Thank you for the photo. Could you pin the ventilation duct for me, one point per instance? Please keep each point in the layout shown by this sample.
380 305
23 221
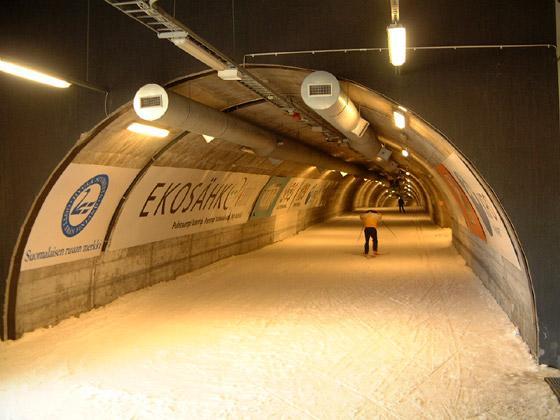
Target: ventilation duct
321 92
153 103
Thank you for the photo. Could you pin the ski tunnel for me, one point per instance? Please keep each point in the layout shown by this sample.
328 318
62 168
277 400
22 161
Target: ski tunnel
126 210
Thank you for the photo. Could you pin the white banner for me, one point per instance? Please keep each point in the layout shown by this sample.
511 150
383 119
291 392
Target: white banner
496 233
302 193
172 202
74 218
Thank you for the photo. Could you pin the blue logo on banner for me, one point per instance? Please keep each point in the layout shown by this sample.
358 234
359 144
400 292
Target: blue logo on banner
83 204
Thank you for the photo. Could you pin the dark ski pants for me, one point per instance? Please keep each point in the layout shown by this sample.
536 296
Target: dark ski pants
370 232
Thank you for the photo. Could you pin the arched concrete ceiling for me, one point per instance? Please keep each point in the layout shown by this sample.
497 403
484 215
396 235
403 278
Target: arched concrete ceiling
111 144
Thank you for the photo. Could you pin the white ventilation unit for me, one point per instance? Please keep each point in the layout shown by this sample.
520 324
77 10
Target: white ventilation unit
151 102
324 89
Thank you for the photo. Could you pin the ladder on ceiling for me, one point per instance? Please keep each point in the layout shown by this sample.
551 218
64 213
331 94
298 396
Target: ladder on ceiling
165 26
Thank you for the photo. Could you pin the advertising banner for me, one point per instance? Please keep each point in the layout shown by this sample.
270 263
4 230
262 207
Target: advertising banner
172 202
495 232
74 218
269 196
301 193
469 214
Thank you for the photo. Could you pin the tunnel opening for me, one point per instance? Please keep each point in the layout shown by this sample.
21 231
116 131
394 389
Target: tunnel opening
124 211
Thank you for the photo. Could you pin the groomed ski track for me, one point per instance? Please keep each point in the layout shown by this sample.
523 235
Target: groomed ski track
304 328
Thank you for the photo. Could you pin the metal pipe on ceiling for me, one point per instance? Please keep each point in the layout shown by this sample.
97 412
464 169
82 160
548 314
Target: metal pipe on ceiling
153 103
321 91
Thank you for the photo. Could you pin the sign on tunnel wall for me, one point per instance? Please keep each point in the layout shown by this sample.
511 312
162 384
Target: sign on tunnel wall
470 217
170 202
494 232
74 218
282 194
302 193
269 196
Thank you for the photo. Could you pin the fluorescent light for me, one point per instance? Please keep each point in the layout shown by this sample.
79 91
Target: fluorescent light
343 173
147 130
208 138
402 108
29 74
404 152
399 120
199 53
230 74
248 150
396 35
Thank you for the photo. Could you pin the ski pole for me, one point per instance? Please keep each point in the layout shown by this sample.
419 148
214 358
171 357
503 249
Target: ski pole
359 234
390 230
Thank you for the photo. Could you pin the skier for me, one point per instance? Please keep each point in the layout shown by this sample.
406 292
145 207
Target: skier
401 205
370 220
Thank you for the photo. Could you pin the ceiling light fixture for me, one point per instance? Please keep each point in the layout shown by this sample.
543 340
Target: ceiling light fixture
147 130
343 173
404 152
249 150
30 74
198 52
396 36
399 119
208 138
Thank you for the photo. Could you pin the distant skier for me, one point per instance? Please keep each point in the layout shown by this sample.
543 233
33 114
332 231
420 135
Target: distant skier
370 220
401 205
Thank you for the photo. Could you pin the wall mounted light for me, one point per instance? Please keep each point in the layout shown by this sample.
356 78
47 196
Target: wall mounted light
34 75
207 138
404 152
147 130
343 173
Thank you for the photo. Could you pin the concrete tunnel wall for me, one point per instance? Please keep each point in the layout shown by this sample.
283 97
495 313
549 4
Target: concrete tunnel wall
44 295
504 273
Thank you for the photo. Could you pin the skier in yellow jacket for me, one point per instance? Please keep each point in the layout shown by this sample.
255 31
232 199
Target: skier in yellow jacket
370 220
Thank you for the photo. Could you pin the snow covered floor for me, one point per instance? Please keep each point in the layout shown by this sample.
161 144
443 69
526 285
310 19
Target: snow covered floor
306 328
